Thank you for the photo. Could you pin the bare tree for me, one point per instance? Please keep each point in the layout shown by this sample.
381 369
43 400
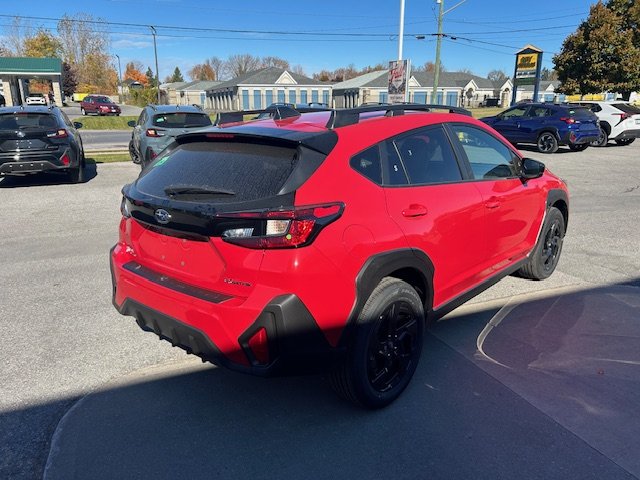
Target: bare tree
240 64
497 76
81 36
298 69
16 34
274 62
218 66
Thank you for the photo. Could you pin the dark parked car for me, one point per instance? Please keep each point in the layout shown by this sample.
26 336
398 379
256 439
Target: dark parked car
158 125
547 126
100 105
40 139
327 240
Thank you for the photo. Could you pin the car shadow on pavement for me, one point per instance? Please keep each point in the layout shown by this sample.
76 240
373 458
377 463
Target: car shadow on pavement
551 391
532 148
42 179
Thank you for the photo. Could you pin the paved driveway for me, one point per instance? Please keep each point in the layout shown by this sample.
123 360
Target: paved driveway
513 385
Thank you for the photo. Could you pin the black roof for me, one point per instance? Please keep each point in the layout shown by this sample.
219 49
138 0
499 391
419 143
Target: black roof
175 108
29 109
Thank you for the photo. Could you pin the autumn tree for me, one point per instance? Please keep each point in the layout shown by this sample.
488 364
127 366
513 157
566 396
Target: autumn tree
133 71
202 71
42 44
600 56
277 62
497 76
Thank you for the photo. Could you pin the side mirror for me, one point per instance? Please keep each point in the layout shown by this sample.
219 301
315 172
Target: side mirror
532 168
77 125
131 123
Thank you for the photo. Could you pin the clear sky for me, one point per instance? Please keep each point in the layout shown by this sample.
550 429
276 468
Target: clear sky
322 35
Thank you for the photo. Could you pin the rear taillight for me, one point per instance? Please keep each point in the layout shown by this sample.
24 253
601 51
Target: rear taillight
152 132
285 228
568 120
623 116
61 133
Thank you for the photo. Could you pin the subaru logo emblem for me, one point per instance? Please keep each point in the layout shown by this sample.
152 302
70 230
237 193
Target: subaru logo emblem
162 216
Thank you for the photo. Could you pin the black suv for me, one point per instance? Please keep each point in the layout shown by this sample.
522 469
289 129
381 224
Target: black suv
40 139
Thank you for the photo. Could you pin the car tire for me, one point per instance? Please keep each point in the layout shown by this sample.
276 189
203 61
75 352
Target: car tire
83 111
385 348
547 143
625 141
546 254
578 148
603 139
132 153
77 175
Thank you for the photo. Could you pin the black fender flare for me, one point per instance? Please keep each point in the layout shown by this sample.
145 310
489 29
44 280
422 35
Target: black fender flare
556 195
409 260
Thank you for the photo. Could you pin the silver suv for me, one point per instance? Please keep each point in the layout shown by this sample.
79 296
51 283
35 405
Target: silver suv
158 125
619 121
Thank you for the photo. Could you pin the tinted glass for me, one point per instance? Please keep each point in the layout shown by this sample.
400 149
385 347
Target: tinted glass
250 171
581 113
393 169
181 120
103 100
428 157
539 112
368 164
488 156
515 112
27 120
627 108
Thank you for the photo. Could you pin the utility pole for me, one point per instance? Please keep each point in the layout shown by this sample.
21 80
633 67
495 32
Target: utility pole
401 35
436 72
155 51
119 79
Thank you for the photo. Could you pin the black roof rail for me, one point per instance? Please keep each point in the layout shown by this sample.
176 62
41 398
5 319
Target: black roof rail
351 116
276 112
196 106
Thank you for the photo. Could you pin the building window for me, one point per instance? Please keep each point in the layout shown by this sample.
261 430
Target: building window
303 96
420 97
314 96
452 99
384 97
245 99
268 97
325 97
281 97
257 99
292 96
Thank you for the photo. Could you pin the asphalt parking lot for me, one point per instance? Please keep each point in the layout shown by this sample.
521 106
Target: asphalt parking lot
529 380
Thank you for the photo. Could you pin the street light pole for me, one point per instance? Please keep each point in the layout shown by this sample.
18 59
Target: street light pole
119 79
155 51
401 35
436 71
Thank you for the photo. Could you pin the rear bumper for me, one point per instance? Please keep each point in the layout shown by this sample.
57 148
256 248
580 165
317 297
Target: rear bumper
198 324
635 133
576 137
26 163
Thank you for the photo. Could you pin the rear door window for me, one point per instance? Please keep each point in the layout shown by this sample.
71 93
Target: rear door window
181 120
239 171
627 108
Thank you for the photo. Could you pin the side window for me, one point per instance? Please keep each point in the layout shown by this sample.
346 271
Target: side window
428 157
367 163
488 156
514 112
66 120
539 112
142 117
393 169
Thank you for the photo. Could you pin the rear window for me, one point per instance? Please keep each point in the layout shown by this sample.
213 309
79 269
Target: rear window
102 99
581 113
13 121
627 108
248 171
181 120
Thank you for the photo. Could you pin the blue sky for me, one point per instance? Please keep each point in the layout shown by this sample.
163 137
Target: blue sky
488 32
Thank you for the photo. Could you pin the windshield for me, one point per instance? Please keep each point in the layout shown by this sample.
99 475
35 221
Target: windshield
181 120
14 121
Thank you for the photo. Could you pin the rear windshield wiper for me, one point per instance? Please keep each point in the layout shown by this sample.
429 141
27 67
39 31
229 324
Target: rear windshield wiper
174 190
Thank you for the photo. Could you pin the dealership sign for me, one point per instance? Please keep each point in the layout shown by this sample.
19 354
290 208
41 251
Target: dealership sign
527 71
398 81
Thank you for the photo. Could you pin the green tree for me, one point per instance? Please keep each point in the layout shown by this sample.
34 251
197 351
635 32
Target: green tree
177 76
151 79
69 79
42 44
600 56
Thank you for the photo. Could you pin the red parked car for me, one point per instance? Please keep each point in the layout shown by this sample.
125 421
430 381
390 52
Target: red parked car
328 240
100 105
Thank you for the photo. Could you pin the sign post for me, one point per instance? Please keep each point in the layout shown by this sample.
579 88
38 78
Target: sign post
527 71
399 81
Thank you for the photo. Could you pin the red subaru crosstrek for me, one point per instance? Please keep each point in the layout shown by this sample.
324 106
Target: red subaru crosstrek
328 240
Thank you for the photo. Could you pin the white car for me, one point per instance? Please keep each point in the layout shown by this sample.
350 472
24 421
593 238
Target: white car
619 121
36 99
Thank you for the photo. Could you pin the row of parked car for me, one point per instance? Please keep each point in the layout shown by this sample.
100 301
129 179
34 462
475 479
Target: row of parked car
577 125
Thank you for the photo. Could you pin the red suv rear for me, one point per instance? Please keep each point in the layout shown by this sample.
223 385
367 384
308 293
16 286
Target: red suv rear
100 105
327 240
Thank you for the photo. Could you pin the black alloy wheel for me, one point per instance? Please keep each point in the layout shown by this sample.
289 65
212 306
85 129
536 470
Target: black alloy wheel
603 138
546 254
547 143
385 348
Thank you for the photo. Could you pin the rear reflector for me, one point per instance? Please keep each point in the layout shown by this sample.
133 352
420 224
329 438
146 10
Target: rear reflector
259 346
65 159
